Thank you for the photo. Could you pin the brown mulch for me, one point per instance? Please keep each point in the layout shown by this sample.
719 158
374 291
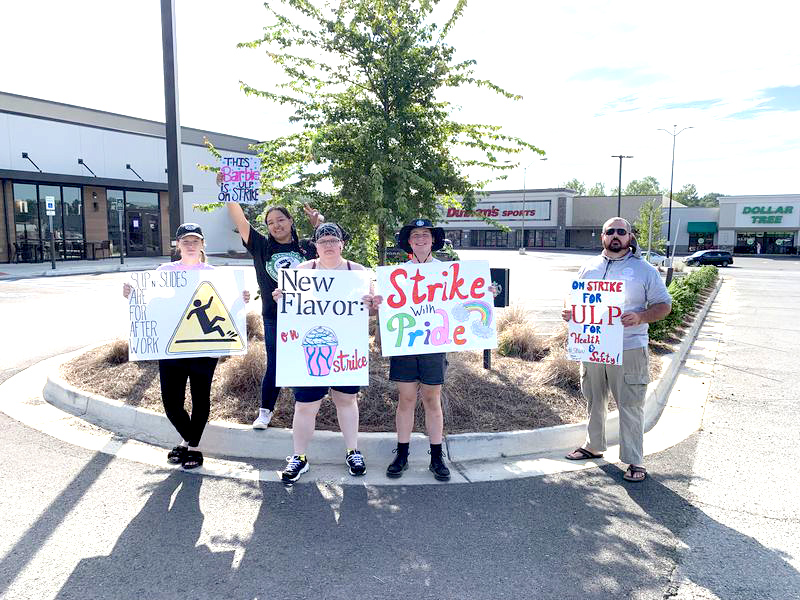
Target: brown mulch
515 394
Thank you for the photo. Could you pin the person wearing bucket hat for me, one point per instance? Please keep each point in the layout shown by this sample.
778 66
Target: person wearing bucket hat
280 249
329 238
198 370
404 238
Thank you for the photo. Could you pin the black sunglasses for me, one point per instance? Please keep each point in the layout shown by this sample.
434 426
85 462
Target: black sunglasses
619 231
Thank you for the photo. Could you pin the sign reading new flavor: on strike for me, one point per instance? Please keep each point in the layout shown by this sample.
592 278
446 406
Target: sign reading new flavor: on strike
595 329
436 307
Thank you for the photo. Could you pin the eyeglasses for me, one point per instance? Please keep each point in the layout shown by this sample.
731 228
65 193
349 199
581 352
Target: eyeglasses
327 242
421 236
620 231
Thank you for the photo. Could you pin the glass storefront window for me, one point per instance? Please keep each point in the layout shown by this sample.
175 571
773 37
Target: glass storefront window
489 239
141 200
26 212
765 242
112 198
700 241
454 235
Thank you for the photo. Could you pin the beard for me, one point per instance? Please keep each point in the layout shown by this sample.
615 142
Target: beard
616 245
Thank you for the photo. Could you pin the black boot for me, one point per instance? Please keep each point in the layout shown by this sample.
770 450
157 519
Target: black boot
400 462
438 468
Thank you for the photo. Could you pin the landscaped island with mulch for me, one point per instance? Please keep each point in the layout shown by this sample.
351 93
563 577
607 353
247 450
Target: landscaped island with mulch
531 383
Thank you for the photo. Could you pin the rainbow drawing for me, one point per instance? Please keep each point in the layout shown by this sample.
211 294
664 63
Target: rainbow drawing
481 327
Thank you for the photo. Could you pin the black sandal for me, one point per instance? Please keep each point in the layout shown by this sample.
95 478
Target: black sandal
631 474
582 454
193 459
177 455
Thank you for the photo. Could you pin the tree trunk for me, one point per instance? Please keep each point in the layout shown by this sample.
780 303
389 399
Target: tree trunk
381 244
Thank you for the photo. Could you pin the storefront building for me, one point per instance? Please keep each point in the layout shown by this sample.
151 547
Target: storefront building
105 175
760 224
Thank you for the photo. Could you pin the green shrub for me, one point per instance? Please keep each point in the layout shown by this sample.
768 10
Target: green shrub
685 292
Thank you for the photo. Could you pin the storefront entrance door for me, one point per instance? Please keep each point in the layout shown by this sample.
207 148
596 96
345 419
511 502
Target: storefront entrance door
144 238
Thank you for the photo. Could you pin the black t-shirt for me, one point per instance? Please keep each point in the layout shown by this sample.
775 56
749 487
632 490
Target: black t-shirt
268 257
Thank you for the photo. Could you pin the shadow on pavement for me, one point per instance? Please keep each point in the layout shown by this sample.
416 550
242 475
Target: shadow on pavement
582 535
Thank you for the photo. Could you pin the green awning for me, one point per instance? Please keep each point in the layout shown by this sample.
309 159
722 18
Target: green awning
702 227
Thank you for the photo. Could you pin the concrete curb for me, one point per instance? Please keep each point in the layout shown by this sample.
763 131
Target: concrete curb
327 447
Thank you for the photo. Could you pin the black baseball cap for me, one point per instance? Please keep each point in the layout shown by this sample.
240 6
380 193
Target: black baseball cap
189 229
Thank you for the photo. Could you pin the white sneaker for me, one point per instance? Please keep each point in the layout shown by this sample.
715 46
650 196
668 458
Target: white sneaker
264 417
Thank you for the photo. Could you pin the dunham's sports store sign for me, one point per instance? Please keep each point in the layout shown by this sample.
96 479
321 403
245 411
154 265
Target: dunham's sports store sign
758 215
533 211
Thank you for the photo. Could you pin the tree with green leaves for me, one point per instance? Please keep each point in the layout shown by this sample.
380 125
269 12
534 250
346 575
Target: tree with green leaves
575 185
598 189
376 145
651 218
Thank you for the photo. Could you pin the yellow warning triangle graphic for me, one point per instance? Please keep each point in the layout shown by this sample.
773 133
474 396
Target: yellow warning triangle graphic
205 326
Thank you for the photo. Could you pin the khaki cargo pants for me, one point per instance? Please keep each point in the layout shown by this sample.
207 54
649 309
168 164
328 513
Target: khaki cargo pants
628 383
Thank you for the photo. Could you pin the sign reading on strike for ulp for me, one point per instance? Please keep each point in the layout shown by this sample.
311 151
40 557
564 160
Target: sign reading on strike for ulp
323 329
241 179
436 307
595 329
179 314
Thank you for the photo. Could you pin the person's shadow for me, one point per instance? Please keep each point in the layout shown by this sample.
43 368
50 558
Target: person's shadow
156 556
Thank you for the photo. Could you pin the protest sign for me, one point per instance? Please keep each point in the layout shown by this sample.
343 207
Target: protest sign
241 179
436 307
595 330
180 314
323 334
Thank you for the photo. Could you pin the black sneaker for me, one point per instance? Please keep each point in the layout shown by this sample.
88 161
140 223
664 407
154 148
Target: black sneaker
355 461
399 464
295 466
438 468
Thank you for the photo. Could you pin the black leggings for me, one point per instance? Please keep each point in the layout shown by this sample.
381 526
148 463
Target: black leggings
174 372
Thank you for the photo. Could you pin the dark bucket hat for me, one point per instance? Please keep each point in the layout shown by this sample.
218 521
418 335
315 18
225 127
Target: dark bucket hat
405 232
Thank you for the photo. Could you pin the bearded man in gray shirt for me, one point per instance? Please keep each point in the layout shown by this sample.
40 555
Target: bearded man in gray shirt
646 301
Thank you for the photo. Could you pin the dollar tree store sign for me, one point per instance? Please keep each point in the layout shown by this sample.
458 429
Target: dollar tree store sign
768 215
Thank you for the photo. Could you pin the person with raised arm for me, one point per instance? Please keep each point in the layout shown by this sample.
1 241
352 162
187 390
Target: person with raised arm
281 249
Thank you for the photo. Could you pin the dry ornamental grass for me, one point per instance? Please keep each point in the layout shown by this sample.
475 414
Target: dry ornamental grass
533 386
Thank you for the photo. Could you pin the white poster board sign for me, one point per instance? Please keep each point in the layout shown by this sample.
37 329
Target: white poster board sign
180 314
436 307
241 179
595 330
323 329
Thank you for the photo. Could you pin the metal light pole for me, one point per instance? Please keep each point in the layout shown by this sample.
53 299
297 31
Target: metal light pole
669 211
619 187
522 248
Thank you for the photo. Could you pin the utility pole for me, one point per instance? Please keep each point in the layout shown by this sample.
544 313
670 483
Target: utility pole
669 212
619 187
173 132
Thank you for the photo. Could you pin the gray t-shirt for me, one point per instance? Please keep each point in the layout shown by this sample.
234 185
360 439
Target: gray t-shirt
643 288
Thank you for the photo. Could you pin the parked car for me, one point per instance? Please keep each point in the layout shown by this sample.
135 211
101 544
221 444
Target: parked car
710 257
659 260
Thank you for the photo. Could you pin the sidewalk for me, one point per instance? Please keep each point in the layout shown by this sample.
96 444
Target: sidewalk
39 399
12 271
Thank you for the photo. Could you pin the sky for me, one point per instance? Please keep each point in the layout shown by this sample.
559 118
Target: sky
598 78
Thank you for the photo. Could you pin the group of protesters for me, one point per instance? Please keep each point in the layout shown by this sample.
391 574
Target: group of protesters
416 376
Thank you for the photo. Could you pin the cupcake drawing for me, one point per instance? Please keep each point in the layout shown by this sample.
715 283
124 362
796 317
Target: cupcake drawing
319 346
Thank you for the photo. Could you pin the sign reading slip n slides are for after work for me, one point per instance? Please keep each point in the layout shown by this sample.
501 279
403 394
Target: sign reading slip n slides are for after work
436 307
181 314
323 329
595 329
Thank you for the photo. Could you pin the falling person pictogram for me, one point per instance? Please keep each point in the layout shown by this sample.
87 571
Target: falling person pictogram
206 326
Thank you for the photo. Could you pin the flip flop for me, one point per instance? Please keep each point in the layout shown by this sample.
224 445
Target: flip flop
632 470
193 459
584 454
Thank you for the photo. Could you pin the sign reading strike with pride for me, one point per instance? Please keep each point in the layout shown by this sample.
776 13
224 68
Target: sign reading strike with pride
595 330
436 307
323 335
241 179
178 314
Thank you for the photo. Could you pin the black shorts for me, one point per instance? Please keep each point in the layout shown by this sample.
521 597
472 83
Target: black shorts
425 368
312 394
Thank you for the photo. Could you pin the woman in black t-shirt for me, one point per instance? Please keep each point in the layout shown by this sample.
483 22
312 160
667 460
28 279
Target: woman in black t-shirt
281 249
